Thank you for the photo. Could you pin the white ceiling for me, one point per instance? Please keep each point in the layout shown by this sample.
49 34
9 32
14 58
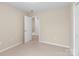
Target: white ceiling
38 6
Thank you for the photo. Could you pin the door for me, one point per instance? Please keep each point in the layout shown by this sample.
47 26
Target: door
27 29
77 29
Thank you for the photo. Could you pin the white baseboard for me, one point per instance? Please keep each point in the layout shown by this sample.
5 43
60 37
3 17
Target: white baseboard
11 47
55 44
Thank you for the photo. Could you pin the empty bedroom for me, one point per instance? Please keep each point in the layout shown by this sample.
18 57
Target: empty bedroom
36 28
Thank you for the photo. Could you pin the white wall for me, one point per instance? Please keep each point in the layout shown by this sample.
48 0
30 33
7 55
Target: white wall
11 26
55 26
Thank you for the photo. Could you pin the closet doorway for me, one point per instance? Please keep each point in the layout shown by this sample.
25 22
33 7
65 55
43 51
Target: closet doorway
35 28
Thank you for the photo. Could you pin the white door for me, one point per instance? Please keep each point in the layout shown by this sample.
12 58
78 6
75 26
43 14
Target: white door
27 29
77 30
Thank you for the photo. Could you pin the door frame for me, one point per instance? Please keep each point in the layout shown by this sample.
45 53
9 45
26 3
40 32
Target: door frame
75 37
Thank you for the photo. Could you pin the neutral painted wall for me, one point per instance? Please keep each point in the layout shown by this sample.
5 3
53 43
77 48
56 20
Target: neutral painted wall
55 26
11 26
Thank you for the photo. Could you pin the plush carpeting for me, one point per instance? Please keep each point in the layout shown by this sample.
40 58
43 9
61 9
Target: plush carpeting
35 48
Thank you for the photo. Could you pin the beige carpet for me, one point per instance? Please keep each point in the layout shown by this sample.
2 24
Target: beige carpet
35 48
